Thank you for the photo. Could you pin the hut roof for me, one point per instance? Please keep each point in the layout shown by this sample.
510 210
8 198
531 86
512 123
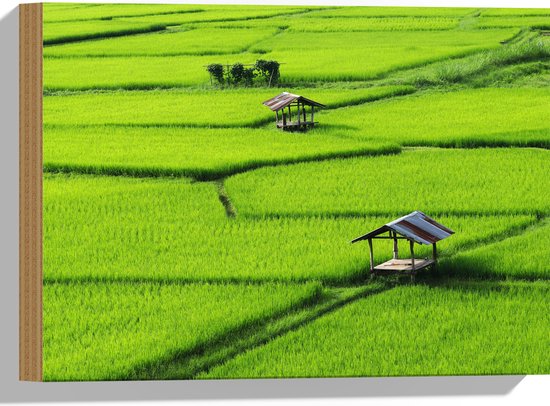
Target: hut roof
284 99
415 226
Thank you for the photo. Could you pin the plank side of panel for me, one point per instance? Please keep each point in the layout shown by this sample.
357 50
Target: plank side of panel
30 192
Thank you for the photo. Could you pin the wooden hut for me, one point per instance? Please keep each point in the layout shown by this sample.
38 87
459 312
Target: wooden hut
415 227
290 111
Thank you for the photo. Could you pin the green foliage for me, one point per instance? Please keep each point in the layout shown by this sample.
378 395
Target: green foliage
127 325
451 329
436 181
523 256
467 118
464 71
122 229
197 108
269 70
202 41
201 153
59 33
355 13
156 276
236 73
515 21
216 71
167 14
366 55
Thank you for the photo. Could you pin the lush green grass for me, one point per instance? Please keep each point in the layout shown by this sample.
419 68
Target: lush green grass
127 72
196 152
115 228
516 12
337 56
104 331
523 256
310 23
79 12
323 25
56 33
476 70
526 47
452 329
490 181
359 12
473 117
220 13
207 41
515 21
161 275
201 107
365 55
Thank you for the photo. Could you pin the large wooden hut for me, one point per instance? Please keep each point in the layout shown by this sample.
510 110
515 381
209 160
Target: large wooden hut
290 111
415 227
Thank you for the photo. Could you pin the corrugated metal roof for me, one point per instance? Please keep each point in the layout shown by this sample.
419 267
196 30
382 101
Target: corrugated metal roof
415 226
284 99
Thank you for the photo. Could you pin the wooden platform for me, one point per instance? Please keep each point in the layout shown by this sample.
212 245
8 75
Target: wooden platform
403 265
295 125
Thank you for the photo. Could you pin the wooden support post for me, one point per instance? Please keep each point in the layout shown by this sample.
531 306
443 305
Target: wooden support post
395 246
284 119
304 112
299 114
412 254
371 256
289 114
277 117
434 255
312 109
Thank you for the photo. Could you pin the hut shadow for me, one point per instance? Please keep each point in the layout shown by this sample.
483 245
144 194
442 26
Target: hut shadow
458 268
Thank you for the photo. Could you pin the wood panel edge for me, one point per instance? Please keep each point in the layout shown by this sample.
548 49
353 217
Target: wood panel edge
30 192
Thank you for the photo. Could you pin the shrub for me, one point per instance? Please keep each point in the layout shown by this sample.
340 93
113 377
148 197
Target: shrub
269 70
238 74
216 71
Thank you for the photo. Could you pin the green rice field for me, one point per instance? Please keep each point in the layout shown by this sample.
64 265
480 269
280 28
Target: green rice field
186 237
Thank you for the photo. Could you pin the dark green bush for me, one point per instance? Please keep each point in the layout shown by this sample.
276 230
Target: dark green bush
216 71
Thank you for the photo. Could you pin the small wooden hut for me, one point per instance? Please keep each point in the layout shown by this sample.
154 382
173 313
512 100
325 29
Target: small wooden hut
290 111
415 227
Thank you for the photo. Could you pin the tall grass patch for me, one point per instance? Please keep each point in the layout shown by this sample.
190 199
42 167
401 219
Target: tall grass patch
366 55
367 12
206 41
522 256
198 107
436 181
456 329
105 331
201 153
120 229
58 33
473 117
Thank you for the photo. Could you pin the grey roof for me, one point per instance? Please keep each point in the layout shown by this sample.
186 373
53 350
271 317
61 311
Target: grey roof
415 226
284 99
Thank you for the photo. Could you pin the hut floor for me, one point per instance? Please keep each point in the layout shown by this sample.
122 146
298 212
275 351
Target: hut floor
400 265
295 124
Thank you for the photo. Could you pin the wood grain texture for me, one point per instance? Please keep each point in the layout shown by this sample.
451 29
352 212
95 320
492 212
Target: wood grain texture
30 192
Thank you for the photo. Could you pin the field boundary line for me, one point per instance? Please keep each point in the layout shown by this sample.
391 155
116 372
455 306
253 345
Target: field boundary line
158 27
228 346
362 215
201 175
